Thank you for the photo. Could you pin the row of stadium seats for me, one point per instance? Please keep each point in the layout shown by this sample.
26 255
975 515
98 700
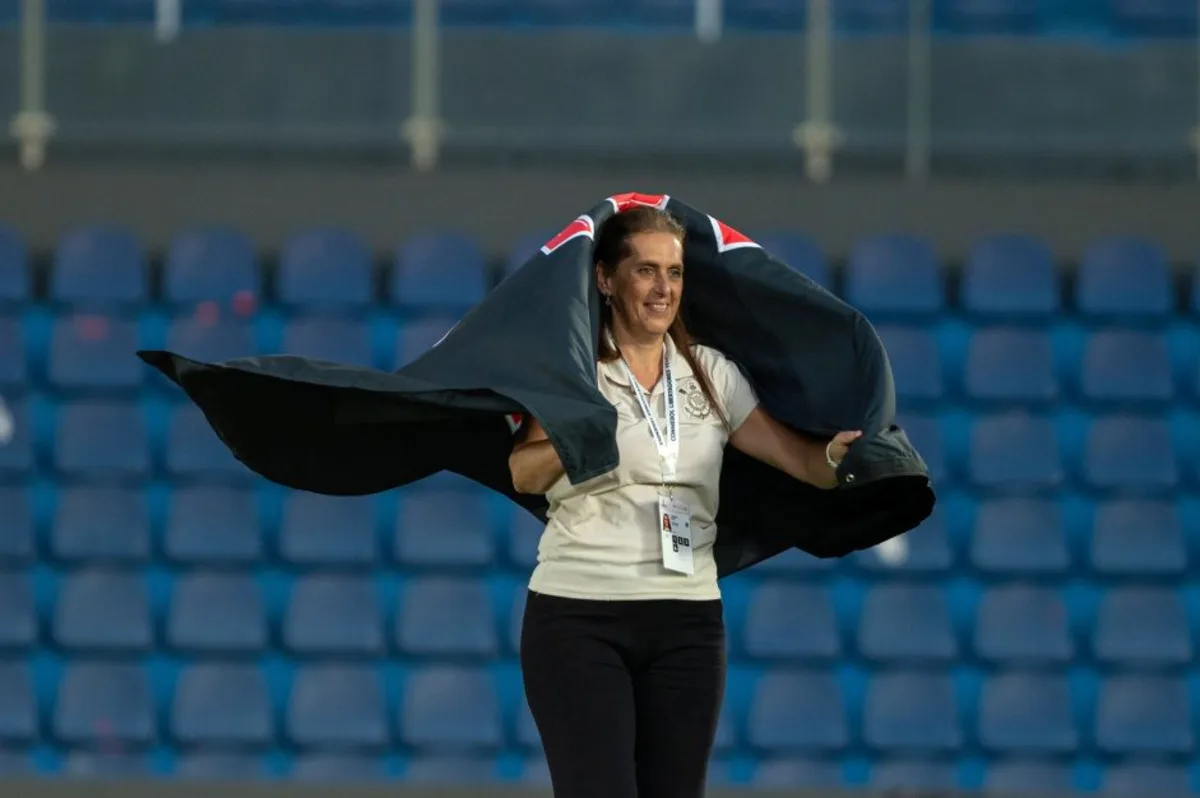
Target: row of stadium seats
109 610
1122 17
327 270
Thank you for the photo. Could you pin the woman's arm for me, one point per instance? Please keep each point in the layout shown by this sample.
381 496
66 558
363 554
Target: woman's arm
533 463
765 439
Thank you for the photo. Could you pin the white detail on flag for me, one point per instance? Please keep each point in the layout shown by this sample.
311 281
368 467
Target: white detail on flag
719 237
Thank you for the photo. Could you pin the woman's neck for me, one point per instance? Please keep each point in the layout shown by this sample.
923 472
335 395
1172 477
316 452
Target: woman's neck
643 353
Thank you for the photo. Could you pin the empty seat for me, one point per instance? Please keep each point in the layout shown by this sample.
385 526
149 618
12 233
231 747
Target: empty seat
1143 715
1027 713
1175 18
797 711
792 773
925 433
219 765
442 617
419 336
900 774
337 767
16 533
14 364
332 338
101 439
15 282
911 710
524 536
222 704
1019 536
906 622
99 266
1022 624
212 524
1136 537
924 550
101 523
195 452
1125 277
18 615
211 337
1142 627
92 352
445 707
328 531
1010 365
916 362
450 769
790 621
328 269
1130 453
991 16
1028 777
439 271
1015 451
800 252
102 703
444 527
216 613
337 705
216 265
894 275
1126 366
103 610
333 614
1139 779
18 704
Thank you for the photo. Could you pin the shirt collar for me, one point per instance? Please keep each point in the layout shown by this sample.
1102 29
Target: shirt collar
614 370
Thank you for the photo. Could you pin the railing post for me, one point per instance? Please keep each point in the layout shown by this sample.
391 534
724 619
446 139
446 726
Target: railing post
920 78
32 127
423 129
817 135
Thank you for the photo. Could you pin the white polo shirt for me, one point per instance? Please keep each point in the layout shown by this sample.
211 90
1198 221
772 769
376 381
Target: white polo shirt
601 540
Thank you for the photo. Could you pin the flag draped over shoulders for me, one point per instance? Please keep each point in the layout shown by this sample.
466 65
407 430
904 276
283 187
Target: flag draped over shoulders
530 348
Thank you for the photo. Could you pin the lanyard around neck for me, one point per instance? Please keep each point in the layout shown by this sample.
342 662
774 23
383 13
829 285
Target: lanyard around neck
668 445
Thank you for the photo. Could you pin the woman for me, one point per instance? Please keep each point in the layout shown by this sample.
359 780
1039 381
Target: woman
623 641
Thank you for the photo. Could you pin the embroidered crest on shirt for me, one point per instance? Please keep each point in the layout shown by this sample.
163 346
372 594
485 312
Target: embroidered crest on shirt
695 403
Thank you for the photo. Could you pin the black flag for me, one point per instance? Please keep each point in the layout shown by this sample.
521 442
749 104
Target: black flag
530 348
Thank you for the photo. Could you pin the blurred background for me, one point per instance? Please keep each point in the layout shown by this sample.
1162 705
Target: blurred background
1006 187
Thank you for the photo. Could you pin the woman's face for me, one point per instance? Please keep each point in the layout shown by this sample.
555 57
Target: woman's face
646 286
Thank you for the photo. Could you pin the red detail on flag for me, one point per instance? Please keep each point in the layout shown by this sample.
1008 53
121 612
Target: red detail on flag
583 226
515 420
623 202
730 236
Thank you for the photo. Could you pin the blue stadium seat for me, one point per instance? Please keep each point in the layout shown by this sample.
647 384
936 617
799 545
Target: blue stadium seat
1125 452
990 16
1028 777
337 767
906 622
439 272
326 269
800 252
1027 713
334 614
211 338
14 363
333 338
15 765
337 705
1014 451
101 439
437 527
916 363
925 433
456 770
417 337
1138 538
446 617
1174 18
103 611
219 765
1142 627
16 434
102 703
94 352
195 452
793 711
528 735
1021 624
526 247
925 550
911 710
222 704
16 284
524 535
1143 715
214 525
894 275
1019 536
451 708
18 614
1010 365
216 612
1010 277
328 531
792 773
17 531
1136 779
1125 366
790 621
18 704
101 523
99 267
1124 277
81 764
210 265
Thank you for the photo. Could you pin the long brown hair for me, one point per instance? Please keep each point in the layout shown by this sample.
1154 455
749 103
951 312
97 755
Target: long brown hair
612 247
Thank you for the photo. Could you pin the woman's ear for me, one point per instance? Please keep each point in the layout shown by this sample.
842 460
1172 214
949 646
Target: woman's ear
602 281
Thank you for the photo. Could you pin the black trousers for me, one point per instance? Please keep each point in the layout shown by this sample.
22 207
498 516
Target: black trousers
625 694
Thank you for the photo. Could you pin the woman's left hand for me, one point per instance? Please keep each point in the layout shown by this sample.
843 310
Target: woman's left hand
840 445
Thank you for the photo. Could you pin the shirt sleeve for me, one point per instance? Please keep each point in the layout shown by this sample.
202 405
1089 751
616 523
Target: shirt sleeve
737 395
